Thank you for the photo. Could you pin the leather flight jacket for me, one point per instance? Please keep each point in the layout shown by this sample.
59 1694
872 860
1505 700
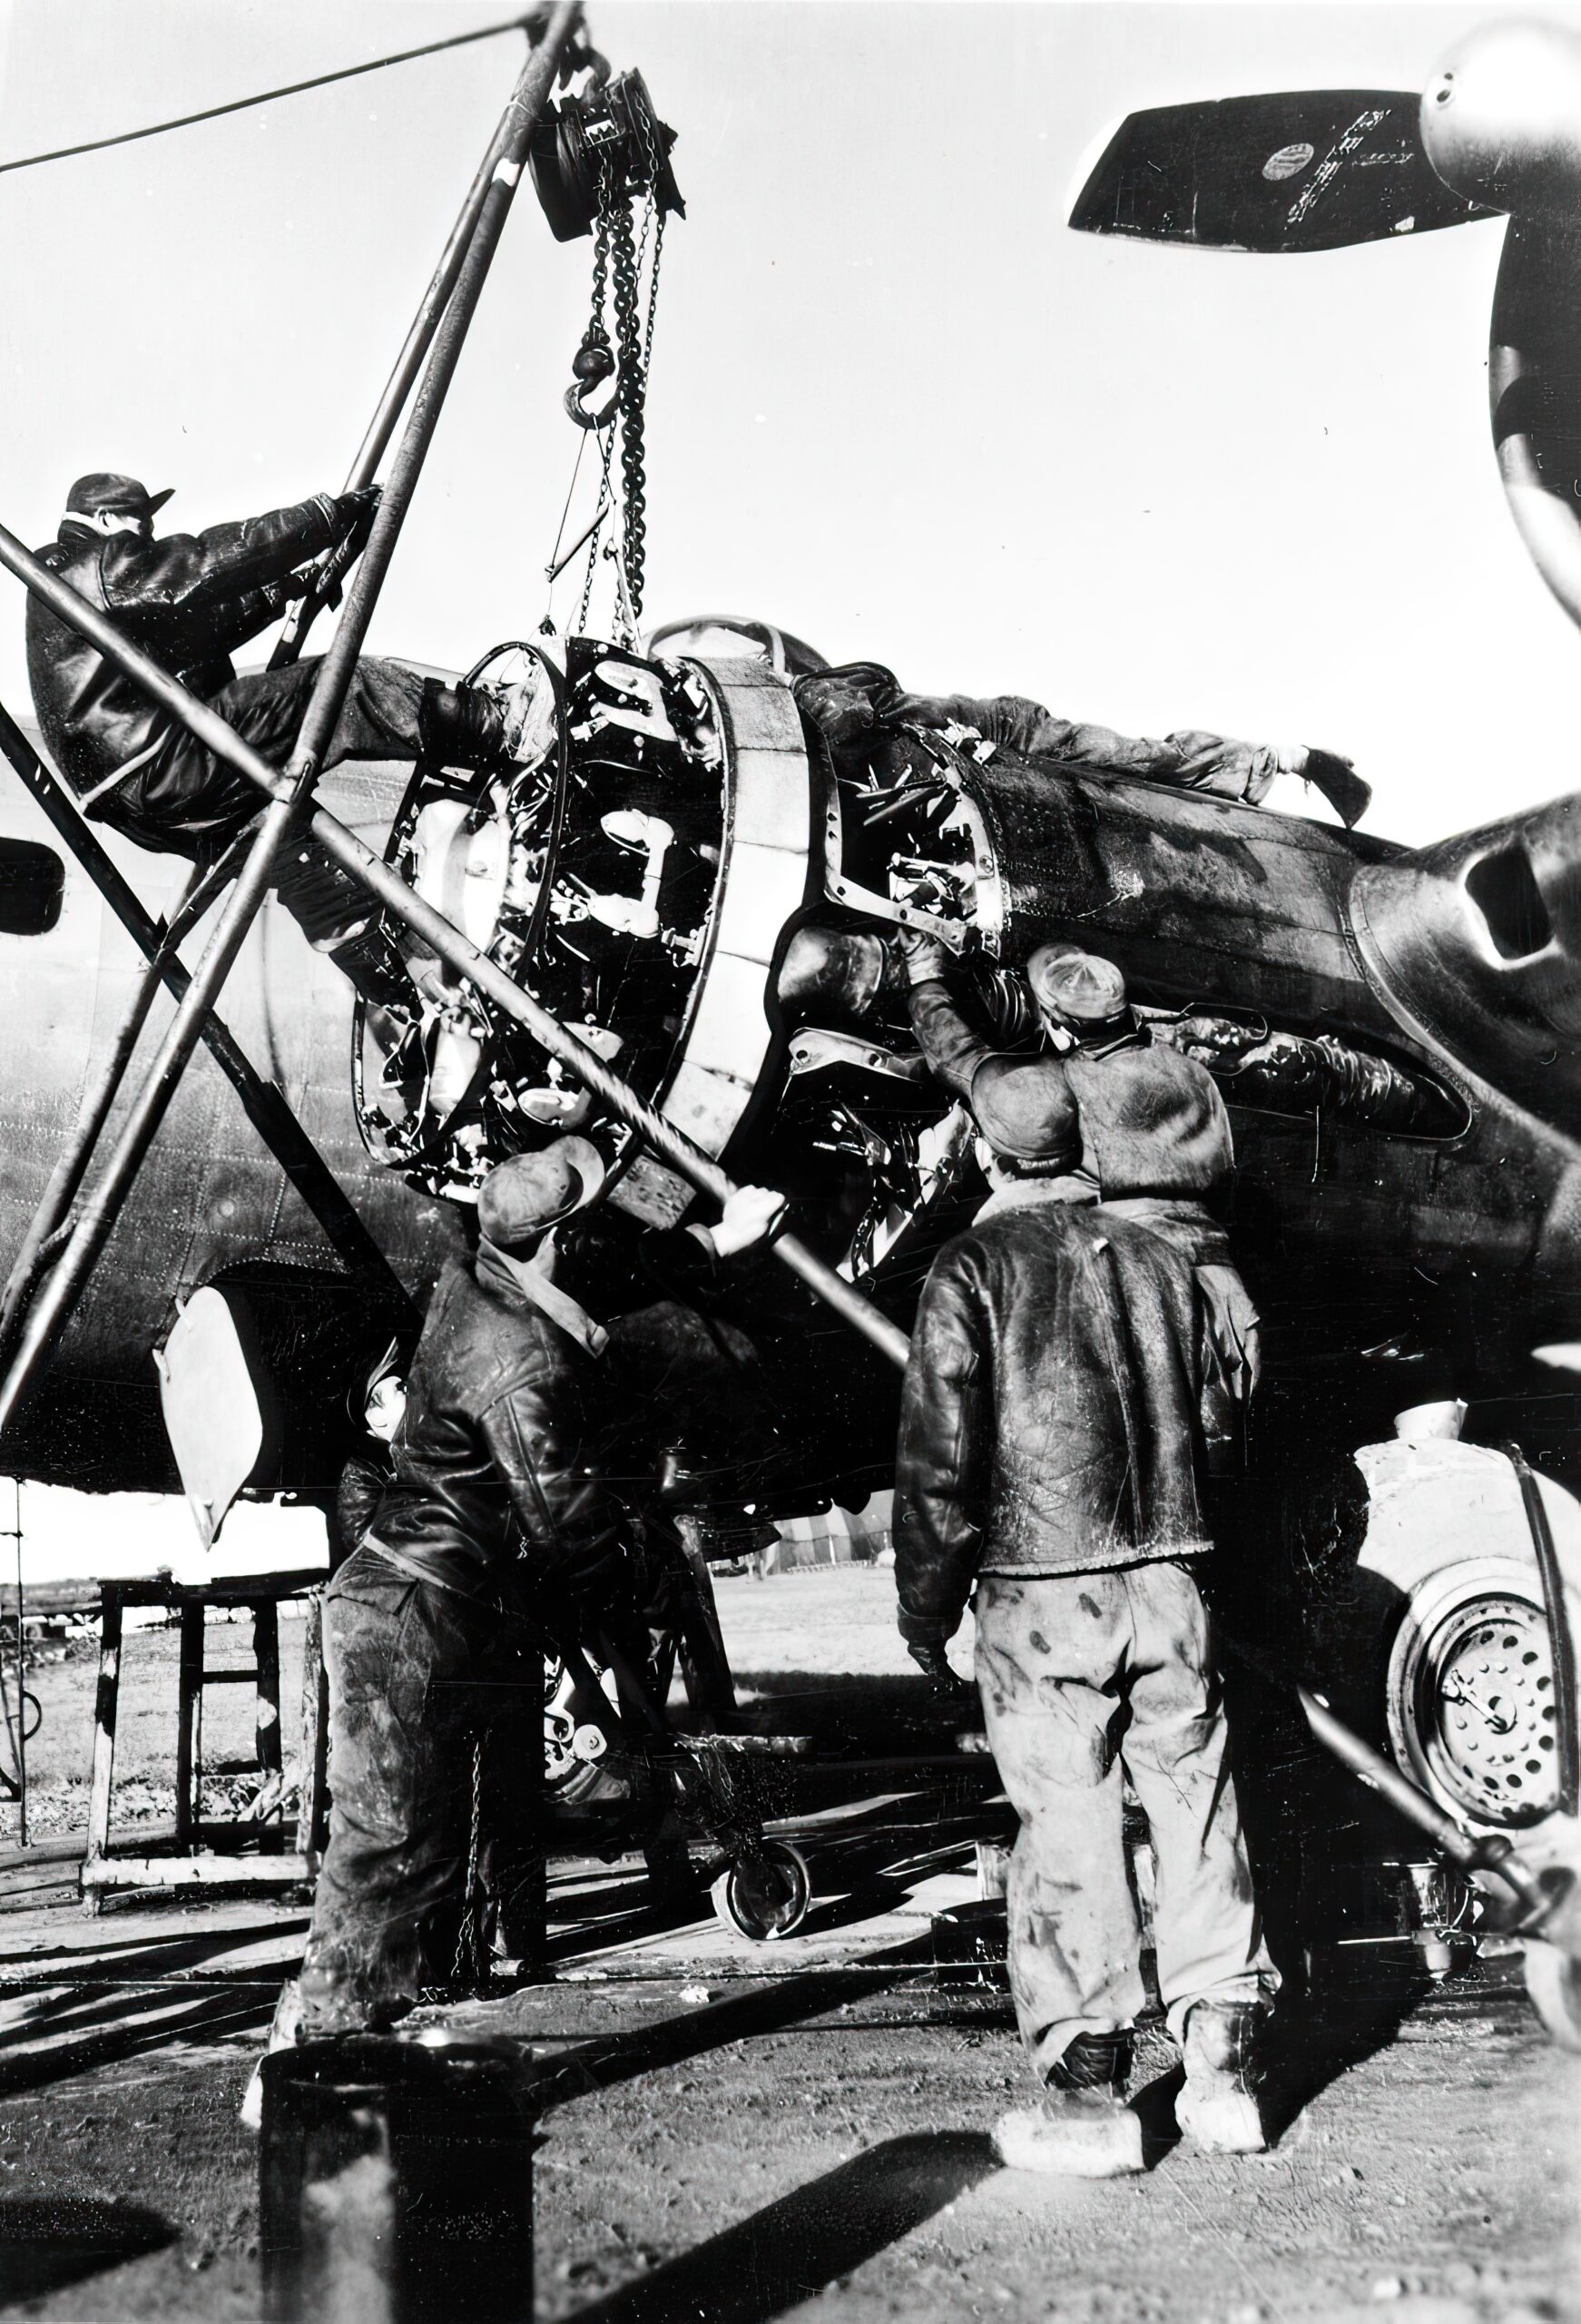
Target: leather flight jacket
499 1464
190 601
1055 1406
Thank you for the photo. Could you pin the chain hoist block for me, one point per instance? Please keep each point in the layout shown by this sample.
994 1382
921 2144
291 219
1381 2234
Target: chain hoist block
613 129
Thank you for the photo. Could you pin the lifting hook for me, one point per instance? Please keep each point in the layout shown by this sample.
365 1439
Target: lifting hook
593 364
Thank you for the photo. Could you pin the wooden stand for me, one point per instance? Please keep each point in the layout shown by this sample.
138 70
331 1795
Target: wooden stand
235 1852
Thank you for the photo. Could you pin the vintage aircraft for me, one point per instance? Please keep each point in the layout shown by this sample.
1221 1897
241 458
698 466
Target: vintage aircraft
682 874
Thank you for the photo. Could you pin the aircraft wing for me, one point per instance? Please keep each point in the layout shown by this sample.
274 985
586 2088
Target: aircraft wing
1306 170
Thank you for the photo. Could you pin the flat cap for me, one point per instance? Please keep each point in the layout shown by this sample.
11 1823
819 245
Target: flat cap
1081 987
120 495
525 1195
1024 1110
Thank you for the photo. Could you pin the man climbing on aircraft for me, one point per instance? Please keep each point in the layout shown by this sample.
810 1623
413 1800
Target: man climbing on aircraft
191 601
1073 1361
856 704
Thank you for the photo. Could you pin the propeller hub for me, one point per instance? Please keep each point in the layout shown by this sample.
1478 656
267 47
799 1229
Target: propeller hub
1501 119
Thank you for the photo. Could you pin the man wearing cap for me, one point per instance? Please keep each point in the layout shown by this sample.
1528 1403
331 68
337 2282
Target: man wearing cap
191 601
853 705
1152 1135
1068 1373
499 1518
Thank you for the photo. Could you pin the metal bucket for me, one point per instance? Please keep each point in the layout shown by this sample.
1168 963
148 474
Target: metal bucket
396 2182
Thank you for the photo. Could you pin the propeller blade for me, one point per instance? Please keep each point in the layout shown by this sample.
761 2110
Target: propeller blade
1309 169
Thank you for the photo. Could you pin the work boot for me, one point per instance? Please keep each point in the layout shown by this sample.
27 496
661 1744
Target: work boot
1083 2128
282 2035
374 968
1218 2107
488 726
460 725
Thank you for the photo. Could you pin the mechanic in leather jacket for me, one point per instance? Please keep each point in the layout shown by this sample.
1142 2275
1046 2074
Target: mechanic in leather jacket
1151 1127
191 601
1066 1375
501 1523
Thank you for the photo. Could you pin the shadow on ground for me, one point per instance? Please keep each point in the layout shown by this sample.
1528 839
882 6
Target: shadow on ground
140 2000
855 1710
863 1862
795 2247
600 2064
47 2244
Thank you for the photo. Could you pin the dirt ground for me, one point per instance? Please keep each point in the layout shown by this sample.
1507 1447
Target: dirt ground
732 2134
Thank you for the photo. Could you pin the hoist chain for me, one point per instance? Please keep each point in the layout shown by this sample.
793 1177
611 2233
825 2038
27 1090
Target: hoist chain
470 1965
597 333
618 255
653 217
632 383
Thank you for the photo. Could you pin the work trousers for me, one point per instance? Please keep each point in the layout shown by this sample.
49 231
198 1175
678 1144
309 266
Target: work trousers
186 802
1086 1678
416 1674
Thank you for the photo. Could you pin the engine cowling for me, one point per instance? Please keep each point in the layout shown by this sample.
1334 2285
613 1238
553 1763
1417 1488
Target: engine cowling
635 868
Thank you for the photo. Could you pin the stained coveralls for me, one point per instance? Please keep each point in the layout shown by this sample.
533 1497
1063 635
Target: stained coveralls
191 601
1073 1363
498 1513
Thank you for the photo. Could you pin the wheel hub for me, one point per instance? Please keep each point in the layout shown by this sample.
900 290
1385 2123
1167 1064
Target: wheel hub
1484 1705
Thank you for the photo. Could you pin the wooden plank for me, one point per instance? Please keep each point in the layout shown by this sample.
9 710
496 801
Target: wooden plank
315 1734
266 1650
189 1722
106 1704
291 1871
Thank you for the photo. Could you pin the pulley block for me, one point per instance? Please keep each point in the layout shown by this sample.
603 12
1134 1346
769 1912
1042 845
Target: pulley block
612 129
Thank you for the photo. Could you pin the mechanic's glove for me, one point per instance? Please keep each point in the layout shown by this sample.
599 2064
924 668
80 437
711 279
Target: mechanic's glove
747 1218
921 710
355 512
1334 777
849 704
927 960
285 592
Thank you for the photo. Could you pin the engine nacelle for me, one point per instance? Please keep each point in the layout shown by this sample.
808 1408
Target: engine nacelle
683 874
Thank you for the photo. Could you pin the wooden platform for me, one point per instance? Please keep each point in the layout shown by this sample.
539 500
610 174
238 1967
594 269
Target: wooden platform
241 1852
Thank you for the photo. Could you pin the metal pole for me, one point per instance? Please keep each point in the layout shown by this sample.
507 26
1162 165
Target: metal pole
1494 1852
22 1696
407 364
449 945
666 1141
99 1212
264 1104
520 118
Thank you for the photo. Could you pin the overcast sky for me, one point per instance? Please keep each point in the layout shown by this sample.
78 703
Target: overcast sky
896 405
